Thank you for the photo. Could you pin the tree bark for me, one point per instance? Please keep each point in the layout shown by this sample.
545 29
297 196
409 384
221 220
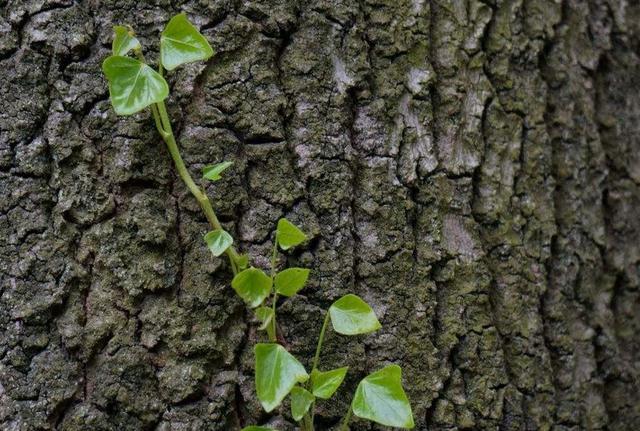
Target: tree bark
470 168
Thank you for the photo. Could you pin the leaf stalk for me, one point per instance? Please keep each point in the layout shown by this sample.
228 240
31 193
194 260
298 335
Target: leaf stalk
345 421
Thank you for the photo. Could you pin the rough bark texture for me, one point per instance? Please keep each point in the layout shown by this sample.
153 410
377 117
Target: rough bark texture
471 168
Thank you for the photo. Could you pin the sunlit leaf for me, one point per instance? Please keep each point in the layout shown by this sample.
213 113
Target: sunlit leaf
264 315
132 84
124 40
253 285
289 281
325 383
218 241
301 400
288 234
350 315
277 372
182 43
380 398
213 172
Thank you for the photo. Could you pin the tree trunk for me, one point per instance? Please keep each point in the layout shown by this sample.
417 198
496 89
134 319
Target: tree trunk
470 168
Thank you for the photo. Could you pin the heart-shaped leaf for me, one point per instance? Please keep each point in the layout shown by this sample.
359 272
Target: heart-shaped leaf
181 43
124 40
253 285
213 172
288 234
380 398
350 315
301 400
218 241
289 281
277 372
264 315
132 84
257 428
325 383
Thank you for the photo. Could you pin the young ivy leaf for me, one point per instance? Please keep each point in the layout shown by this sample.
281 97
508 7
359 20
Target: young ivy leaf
380 398
350 315
301 400
264 315
253 285
124 40
288 234
132 84
277 372
289 281
257 428
213 172
243 261
325 383
181 42
218 241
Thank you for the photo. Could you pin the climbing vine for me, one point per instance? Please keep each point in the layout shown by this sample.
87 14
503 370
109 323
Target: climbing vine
134 85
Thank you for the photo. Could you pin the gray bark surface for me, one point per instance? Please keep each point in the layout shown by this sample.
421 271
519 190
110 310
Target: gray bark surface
470 168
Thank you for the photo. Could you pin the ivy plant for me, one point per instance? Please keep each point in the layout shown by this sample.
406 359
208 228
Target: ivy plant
135 85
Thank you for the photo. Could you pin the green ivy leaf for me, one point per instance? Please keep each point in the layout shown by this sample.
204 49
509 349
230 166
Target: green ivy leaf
301 400
277 372
257 428
243 261
288 234
264 315
325 383
380 398
289 281
350 315
124 40
182 43
213 172
253 285
132 84
218 241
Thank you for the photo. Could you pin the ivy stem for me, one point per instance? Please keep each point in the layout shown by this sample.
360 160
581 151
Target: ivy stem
314 366
274 256
345 421
306 425
308 418
316 358
163 124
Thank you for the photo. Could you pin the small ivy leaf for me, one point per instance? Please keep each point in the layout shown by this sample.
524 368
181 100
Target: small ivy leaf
264 315
277 372
288 234
243 261
257 428
253 285
325 383
213 172
182 43
218 241
301 400
380 398
124 40
291 280
350 315
132 84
